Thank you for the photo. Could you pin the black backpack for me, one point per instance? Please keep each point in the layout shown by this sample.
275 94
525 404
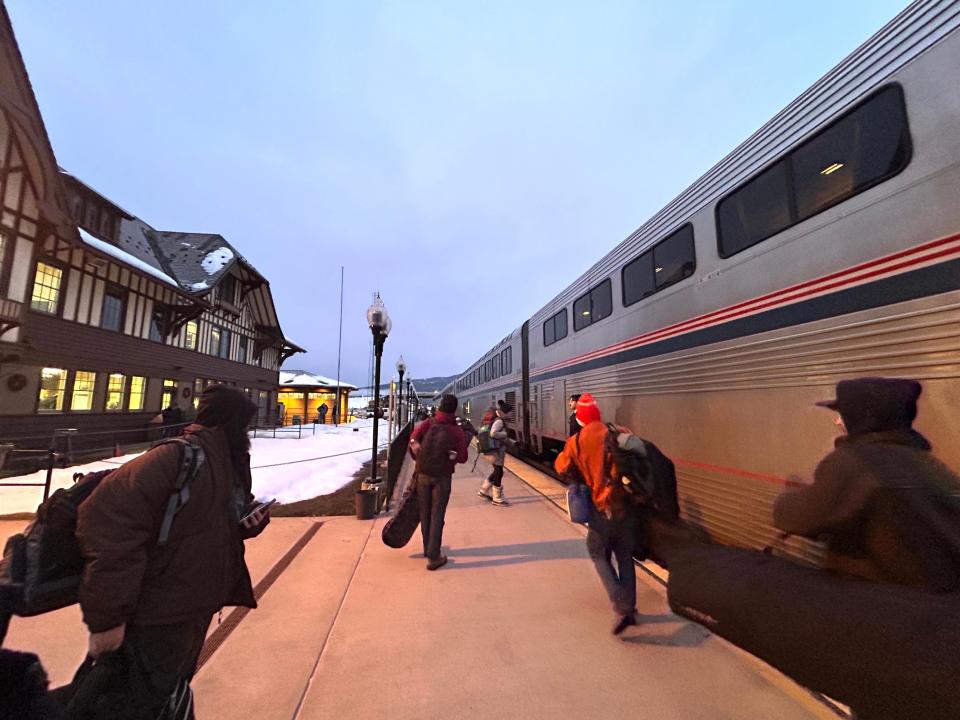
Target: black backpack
433 460
647 475
42 567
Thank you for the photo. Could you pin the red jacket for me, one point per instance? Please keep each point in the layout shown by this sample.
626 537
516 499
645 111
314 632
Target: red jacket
457 437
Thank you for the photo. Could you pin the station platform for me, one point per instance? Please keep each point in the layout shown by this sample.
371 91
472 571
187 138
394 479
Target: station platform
516 626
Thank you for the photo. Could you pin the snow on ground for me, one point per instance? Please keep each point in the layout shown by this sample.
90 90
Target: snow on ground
309 470
303 480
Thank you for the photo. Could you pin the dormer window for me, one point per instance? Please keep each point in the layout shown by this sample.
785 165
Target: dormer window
228 290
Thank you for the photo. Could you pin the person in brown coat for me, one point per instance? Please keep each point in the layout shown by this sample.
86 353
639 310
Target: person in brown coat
877 496
159 600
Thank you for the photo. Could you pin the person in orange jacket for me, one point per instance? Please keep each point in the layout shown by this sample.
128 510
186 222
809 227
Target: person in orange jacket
612 527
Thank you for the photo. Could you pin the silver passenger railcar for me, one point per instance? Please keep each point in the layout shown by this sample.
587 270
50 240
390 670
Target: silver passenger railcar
826 246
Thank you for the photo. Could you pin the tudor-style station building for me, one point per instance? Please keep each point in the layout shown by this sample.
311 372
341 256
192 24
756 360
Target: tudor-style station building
105 320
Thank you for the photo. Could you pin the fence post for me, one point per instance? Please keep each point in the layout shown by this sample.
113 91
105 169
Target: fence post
51 459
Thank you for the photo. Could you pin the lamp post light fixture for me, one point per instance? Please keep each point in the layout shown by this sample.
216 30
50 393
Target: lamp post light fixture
379 321
401 368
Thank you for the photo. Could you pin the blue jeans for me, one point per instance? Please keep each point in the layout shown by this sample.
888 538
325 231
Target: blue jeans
607 538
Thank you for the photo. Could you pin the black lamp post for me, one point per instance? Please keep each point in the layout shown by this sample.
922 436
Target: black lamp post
401 368
380 324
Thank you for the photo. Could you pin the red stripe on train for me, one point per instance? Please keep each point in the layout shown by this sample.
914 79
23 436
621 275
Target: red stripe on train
773 479
784 296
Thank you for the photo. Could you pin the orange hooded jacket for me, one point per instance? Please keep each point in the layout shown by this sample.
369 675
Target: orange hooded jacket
585 451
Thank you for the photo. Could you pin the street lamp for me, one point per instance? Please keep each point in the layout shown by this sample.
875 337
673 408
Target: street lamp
380 324
401 368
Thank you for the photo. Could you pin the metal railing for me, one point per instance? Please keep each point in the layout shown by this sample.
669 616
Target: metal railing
31 453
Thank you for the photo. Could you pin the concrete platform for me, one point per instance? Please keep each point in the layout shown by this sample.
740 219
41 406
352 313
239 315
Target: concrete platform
515 626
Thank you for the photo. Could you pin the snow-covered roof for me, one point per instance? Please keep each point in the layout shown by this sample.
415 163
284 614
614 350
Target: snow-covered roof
295 378
125 257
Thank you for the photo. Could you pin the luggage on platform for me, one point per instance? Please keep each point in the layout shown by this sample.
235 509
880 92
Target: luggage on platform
579 502
400 528
888 651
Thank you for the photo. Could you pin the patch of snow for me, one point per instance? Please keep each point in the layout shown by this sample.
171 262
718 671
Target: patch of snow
215 261
317 474
302 480
197 287
125 257
296 377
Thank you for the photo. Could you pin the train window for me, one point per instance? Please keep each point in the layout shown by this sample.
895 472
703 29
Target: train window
674 258
863 148
555 328
506 360
560 324
756 211
867 145
593 306
669 261
496 366
638 279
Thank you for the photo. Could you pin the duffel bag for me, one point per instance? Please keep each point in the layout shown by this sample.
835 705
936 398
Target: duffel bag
400 528
885 650
579 502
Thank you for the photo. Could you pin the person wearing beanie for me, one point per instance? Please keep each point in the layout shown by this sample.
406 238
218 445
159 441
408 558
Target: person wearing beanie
158 600
439 436
612 527
878 495
492 487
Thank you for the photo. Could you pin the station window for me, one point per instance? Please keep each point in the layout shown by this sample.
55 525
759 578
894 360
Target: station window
169 392
159 322
224 349
112 310
242 349
866 146
669 261
53 383
593 306
555 328
46 288
138 389
190 335
83 386
116 387
215 334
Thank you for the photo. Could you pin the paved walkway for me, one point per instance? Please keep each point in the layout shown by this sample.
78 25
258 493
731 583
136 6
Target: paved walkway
516 626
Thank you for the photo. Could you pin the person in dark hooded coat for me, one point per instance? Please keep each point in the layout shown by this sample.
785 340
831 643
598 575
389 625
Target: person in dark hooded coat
887 506
158 601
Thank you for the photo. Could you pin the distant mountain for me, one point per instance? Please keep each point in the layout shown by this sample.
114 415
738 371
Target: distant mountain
425 387
430 385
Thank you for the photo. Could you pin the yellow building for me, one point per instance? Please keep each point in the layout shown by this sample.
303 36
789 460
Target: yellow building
302 395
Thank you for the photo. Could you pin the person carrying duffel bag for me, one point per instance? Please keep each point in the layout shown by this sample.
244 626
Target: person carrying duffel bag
879 628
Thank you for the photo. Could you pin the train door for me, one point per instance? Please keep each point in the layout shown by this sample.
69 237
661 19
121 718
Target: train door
534 415
525 385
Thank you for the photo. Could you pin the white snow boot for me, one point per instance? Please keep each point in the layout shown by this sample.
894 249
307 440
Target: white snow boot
485 490
498 498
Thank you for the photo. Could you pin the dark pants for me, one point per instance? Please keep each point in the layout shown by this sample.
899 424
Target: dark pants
614 537
433 495
168 653
496 477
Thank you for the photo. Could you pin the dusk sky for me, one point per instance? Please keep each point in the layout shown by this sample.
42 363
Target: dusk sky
467 160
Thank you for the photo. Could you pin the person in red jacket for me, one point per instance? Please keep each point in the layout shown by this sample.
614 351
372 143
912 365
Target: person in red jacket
433 491
612 528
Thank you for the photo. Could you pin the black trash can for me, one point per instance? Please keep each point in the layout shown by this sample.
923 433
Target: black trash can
366 501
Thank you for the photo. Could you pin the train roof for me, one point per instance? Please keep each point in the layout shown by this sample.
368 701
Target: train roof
911 33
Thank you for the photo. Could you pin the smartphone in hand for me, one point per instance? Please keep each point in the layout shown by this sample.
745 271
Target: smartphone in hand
258 508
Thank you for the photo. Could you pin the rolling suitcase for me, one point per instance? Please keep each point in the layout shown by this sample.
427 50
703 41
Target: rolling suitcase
889 651
400 528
